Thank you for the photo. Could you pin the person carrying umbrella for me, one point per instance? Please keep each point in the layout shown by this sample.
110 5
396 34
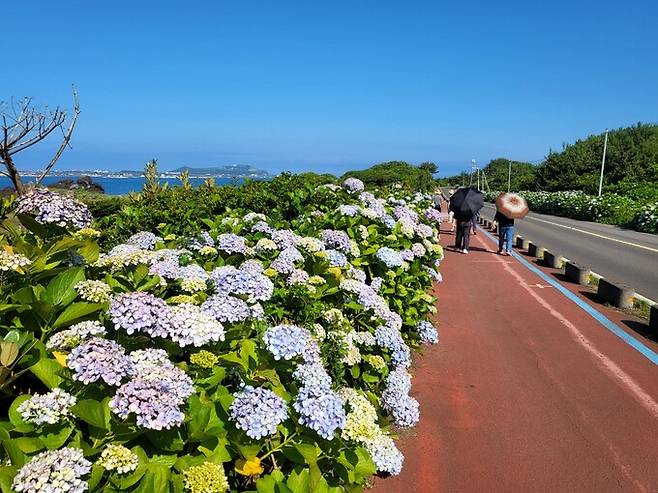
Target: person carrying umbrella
509 206
465 203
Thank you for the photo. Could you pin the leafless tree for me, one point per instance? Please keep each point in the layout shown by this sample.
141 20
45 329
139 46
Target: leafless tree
23 125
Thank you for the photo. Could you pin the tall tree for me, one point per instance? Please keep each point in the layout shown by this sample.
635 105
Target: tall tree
22 125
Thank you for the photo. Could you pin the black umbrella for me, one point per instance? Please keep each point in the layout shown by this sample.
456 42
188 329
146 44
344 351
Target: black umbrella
466 201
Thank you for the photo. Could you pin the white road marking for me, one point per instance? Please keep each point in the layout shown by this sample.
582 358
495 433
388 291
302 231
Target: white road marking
654 250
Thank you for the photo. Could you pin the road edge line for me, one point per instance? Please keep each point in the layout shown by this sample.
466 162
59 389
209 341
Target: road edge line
587 308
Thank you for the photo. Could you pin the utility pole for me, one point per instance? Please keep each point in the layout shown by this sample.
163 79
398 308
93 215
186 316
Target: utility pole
605 148
509 175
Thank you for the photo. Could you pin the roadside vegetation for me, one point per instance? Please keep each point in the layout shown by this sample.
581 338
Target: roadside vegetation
244 338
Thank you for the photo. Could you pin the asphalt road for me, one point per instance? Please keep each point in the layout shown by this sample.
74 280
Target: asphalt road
628 257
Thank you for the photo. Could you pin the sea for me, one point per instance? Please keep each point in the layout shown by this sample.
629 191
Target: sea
123 186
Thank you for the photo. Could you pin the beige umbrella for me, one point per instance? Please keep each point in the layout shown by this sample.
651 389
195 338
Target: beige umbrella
512 205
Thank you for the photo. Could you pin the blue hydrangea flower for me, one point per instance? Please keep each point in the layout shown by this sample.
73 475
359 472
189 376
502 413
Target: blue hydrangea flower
436 276
312 375
321 410
336 258
348 210
144 239
285 262
99 359
385 454
391 339
244 281
286 341
53 471
390 257
258 411
428 333
232 243
204 239
407 255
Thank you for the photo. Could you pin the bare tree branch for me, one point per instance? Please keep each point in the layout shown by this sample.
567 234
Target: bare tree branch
67 137
24 125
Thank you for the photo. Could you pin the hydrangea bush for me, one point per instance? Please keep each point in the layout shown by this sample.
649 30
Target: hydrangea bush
256 355
610 208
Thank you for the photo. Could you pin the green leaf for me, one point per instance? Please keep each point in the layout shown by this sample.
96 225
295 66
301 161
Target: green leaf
56 436
75 312
47 370
308 451
298 480
60 289
7 474
15 417
93 412
155 480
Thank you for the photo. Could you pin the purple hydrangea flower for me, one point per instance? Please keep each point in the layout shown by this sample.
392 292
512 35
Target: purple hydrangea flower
155 403
258 411
424 231
285 262
53 471
432 214
262 227
190 325
353 185
337 239
401 211
204 239
97 359
284 238
407 255
226 308
54 208
396 399
141 312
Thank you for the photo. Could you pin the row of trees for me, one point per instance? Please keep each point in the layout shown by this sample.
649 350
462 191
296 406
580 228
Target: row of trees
631 158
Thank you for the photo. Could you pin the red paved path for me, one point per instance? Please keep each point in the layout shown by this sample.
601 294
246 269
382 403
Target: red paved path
526 393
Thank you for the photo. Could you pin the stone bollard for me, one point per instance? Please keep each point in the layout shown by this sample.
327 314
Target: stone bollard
552 260
616 294
536 250
575 273
521 243
653 319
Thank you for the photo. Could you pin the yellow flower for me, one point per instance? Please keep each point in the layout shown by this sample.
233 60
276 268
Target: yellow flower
269 272
60 357
249 467
336 272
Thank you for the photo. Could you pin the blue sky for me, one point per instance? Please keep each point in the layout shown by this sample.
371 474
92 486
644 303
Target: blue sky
331 86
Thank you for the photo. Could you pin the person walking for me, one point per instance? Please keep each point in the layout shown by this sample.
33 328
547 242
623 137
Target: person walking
463 236
505 233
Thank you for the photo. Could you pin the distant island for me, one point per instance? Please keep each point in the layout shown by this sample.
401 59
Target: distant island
227 171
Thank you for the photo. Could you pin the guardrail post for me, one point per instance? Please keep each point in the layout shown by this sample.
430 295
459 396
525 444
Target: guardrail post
575 273
616 294
552 260
521 243
536 250
653 318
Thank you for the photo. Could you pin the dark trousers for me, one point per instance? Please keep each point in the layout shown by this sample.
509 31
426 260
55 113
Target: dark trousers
463 236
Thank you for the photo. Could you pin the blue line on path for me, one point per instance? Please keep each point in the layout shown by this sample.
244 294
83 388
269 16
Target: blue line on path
590 310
